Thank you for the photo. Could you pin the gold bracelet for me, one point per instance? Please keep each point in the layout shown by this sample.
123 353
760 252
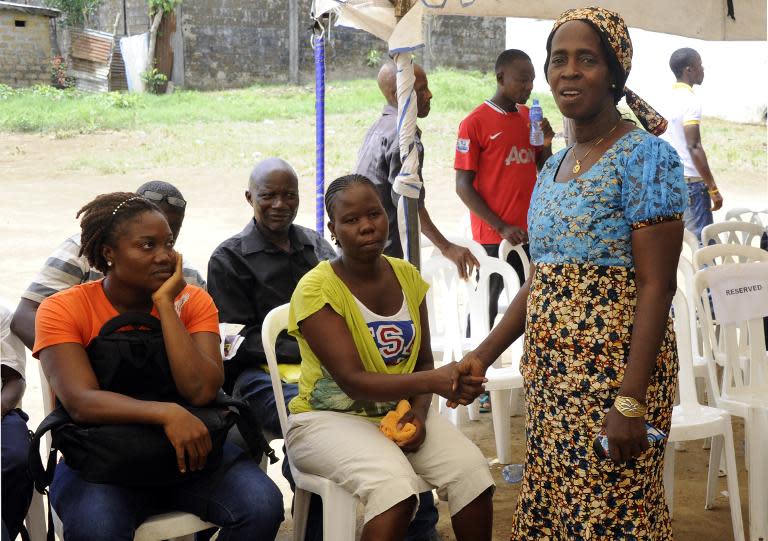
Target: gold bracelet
713 191
629 407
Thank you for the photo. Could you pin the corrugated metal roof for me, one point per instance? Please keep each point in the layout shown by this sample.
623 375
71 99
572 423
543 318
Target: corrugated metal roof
91 45
31 10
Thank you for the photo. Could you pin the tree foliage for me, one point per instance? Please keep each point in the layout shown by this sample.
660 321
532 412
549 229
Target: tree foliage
76 12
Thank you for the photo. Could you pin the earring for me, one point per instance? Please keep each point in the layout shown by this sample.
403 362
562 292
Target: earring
333 237
613 86
109 263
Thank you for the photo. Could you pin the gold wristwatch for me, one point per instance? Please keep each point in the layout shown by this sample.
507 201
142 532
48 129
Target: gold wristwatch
629 407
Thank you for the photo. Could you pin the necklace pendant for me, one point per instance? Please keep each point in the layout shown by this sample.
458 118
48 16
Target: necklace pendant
577 167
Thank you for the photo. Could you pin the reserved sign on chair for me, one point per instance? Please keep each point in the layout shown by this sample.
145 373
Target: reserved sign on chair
739 291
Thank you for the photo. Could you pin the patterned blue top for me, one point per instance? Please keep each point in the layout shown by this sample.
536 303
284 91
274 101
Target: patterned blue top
589 219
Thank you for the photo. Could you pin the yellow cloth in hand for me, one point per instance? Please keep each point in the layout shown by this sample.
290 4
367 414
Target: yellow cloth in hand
388 424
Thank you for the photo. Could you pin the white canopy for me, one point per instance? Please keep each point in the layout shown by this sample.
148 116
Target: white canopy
701 19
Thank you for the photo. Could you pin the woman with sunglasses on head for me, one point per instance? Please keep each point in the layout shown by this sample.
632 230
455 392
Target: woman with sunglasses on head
128 239
362 327
605 234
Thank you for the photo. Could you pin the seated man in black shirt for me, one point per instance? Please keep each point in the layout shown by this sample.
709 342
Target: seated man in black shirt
257 270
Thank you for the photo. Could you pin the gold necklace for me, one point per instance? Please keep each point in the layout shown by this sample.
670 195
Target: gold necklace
577 167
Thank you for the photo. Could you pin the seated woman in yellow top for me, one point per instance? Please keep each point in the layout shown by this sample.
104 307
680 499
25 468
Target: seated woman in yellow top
361 323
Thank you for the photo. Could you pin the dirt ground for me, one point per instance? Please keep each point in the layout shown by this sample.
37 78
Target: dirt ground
45 180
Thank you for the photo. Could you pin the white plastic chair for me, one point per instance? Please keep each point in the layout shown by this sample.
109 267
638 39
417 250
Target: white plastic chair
690 244
504 382
174 526
339 506
743 392
692 421
449 304
505 248
719 254
732 232
759 217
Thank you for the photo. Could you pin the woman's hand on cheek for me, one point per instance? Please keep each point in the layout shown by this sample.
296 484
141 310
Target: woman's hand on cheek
173 285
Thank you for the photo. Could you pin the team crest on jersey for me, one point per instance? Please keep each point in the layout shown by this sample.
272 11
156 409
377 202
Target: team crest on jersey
462 145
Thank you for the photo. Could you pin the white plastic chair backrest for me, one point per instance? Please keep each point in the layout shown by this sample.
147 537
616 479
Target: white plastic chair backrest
690 244
734 340
733 232
505 247
275 322
759 217
686 378
475 247
685 275
448 299
489 266
718 254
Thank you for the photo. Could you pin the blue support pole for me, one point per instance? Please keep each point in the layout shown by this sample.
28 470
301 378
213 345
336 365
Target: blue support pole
318 44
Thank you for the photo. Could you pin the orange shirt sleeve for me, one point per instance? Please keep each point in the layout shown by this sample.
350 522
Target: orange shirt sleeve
198 311
61 318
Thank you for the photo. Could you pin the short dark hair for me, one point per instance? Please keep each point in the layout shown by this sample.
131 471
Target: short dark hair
509 56
164 188
681 59
341 184
615 69
101 223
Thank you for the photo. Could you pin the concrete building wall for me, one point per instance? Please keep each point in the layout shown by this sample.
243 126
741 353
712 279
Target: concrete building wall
237 44
25 51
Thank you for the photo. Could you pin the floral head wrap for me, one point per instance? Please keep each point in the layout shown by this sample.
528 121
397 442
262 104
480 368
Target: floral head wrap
612 29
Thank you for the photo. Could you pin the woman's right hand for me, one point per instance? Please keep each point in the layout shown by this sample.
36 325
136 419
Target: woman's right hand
189 437
457 387
469 367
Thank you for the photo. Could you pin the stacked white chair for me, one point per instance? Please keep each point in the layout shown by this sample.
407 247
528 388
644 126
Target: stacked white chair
732 232
692 421
759 217
744 388
339 506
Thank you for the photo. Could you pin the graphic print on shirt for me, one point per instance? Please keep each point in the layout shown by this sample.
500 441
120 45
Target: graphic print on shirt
394 339
523 155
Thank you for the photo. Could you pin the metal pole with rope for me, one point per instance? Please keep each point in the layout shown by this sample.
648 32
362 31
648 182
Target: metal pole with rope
318 45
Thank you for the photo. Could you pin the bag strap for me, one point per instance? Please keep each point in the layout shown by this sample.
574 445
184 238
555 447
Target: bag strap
130 319
249 426
42 477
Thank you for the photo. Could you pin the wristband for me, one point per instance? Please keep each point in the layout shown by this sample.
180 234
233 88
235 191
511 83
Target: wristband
713 191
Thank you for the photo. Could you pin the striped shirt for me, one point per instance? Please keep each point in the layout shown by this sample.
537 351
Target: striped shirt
64 268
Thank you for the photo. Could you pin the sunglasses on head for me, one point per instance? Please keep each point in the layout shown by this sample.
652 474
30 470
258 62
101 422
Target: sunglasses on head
159 198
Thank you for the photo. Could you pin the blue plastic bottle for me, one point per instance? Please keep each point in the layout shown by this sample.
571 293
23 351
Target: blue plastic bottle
536 115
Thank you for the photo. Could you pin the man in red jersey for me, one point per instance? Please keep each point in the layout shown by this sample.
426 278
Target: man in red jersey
496 165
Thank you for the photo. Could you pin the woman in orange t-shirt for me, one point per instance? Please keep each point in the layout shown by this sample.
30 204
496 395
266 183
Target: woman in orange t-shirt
128 239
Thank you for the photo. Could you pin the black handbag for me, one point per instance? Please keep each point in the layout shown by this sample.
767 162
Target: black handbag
134 362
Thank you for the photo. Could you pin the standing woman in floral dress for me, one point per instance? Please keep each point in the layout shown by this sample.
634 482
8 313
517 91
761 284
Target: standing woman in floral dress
605 234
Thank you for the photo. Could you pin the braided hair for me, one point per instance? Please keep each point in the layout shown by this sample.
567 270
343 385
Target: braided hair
101 223
341 184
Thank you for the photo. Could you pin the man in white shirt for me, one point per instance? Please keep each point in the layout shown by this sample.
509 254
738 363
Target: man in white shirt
683 112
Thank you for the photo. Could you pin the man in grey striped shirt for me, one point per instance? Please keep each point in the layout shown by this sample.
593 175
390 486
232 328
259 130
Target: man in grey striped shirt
65 268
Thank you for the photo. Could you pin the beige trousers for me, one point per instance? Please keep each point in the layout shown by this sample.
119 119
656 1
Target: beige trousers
351 451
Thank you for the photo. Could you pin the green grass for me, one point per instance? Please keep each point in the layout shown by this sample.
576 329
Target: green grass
45 110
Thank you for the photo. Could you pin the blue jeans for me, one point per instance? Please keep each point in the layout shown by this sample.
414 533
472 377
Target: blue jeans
239 497
17 485
255 386
698 214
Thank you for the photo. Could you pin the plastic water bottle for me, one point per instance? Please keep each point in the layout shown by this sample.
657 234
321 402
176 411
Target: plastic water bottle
536 115
512 473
